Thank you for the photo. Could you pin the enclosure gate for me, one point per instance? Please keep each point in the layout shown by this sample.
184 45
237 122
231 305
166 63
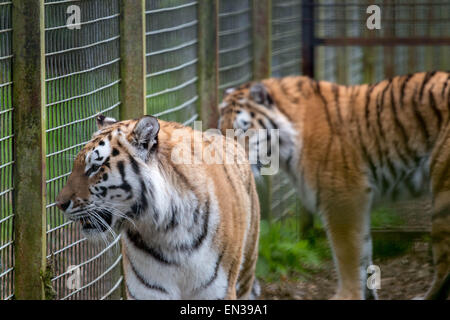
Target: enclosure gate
172 59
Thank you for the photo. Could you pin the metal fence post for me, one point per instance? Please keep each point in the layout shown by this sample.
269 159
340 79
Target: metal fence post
29 148
262 54
262 38
308 38
208 61
132 59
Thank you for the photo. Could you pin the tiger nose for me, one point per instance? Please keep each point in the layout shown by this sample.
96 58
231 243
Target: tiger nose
63 205
244 124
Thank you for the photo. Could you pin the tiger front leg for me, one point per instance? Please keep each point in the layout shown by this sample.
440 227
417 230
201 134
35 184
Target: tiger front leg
347 219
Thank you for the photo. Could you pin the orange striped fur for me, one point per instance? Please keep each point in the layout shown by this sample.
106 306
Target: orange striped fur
189 230
347 148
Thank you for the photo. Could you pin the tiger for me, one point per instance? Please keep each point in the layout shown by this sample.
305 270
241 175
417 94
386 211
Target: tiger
349 148
189 230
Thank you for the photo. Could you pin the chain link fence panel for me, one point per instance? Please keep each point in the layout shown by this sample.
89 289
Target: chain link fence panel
171 53
82 82
6 155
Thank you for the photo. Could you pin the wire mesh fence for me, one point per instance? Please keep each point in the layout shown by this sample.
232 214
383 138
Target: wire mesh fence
286 37
235 43
171 31
6 155
286 60
410 20
82 81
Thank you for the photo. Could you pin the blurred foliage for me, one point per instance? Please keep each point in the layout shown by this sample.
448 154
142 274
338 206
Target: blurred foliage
385 217
384 248
283 254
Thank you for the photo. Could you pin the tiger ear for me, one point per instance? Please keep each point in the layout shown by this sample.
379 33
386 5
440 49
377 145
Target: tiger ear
260 95
103 122
146 132
229 91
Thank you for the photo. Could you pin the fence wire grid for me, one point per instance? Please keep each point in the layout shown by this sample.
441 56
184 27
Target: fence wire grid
172 41
429 19
6 155
286 60
82 81
286 37
235 43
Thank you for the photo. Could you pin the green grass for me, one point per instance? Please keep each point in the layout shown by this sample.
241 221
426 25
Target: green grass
283 254
386 248
384 217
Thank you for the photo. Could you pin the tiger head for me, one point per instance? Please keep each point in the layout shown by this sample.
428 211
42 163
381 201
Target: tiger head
246 107
251 111
106 186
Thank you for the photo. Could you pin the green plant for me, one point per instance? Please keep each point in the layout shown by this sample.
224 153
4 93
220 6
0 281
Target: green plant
388 247
283 254
385 217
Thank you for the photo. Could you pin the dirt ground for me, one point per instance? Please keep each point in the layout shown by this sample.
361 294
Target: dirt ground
403 277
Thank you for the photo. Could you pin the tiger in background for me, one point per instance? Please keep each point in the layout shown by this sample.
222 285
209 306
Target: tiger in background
189 230
348 148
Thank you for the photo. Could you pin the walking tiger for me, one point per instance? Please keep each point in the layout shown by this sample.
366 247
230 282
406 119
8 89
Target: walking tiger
348 147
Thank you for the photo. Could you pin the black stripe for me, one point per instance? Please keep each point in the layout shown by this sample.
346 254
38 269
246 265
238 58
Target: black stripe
139 243
182 176
214 275
344 159
364 150
145 282
272 123
129 292
403 133
445 87
433 106
402 90
325 105
427 78
380 107
420 120
335 89
261 123
173 223
199 240
291 98
121 168
134 165
142 204
244 284
366 107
